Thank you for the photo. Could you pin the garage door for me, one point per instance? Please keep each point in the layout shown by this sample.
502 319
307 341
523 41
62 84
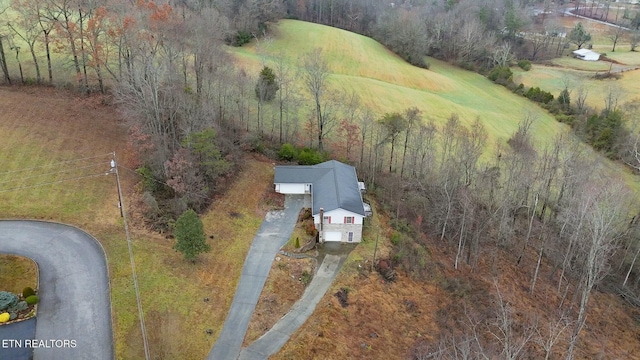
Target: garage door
332 236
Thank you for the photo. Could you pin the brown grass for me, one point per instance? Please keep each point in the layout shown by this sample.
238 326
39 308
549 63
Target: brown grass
387 320
16 273
283 288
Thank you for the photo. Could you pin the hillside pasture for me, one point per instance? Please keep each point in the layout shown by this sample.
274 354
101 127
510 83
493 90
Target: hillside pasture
386 83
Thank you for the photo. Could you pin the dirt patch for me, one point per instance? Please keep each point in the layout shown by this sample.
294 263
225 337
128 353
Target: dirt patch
284 286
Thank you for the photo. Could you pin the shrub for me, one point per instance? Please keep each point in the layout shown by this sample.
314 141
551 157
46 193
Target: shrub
524 65
241 37
501 75
564 98
20 306
308 156
148 181
26 292
297 242
4 317
287 152
538 95
32 300
306 277
7 300
310 228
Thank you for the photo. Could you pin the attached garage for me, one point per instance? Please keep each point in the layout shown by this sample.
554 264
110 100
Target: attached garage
332 236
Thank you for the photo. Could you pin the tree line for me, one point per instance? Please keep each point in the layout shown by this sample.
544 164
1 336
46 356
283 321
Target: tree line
191 112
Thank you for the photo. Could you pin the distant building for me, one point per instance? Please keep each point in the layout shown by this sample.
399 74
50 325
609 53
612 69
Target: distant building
586 54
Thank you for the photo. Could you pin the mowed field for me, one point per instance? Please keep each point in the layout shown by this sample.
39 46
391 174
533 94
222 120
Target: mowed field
577 73
386 83
45 135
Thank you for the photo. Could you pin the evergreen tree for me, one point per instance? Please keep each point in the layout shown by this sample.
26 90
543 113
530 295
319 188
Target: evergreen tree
579 35
267 85
190 235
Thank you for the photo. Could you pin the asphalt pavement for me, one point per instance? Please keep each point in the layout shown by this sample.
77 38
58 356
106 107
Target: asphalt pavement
12 334
274 232
74 312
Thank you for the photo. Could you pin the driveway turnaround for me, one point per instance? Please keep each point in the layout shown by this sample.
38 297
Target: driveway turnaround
272 235
269 343
74 312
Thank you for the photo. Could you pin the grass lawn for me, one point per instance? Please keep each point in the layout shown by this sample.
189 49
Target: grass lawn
386 83
16 273
59 127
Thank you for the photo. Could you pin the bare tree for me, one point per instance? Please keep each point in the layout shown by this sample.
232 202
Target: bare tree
513 343
602 208
582 93
393 124
28 31
553 335
3 58
634 39
412 115
502 55
285 79
315 71
611 98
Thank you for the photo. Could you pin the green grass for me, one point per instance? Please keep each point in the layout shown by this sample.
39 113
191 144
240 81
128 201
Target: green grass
386 83
16 273
577 64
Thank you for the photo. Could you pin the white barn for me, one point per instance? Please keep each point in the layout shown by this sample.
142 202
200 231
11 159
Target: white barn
335 196
586 54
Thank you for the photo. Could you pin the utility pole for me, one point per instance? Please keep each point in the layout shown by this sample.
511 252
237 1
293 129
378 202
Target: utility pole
114 169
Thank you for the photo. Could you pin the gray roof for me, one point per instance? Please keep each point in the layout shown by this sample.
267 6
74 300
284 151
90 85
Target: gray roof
334 185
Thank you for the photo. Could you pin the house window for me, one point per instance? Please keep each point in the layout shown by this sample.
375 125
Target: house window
350 236
327 219
349 220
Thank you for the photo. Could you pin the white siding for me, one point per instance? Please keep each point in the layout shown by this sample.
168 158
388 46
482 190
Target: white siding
291 188
337 229
338 215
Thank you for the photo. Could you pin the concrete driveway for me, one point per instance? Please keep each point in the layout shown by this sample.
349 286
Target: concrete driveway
274 232
74 313
271 342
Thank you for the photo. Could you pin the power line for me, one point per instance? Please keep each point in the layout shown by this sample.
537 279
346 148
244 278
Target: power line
143 328
54 164
54 172
53 182
161 182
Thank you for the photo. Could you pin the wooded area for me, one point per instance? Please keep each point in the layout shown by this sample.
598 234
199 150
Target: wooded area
191 112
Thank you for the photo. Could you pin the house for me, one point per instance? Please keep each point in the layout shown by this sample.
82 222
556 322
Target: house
333 194
586 54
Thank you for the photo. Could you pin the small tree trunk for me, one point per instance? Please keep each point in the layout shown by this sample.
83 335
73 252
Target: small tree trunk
3 63
626 278
48 51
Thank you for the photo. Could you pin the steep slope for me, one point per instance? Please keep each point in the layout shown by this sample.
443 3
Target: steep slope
387 83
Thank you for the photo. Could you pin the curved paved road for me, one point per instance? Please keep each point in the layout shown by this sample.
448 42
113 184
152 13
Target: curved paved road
74 288
272 235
